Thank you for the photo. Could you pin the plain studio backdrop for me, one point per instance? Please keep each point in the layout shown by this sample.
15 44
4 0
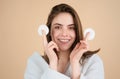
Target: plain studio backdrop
19 21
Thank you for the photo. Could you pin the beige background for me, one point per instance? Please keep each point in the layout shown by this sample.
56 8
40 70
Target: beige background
19 21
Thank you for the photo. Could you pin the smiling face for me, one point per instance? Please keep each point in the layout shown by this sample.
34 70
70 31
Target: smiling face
63 31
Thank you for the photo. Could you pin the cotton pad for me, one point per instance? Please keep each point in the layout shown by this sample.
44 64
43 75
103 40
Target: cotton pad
41 28
91 35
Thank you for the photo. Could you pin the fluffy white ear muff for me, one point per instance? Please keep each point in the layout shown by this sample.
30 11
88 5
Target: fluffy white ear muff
91 33
43 28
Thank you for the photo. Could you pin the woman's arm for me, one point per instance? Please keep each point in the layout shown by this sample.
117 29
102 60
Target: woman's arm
37 68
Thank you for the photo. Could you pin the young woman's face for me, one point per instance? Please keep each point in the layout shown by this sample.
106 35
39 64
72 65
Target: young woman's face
62 31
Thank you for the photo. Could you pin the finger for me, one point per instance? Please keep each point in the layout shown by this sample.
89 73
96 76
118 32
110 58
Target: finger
82 42
86 36
45 42
75 49
84 47
53 47
53 44
77 46
56 46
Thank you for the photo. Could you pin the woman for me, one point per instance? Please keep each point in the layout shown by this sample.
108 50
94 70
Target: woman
67 55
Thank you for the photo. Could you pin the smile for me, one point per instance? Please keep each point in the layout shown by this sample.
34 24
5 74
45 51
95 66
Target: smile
64 40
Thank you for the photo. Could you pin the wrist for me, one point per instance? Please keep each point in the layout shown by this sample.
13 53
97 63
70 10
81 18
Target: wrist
76 77
76 68
53 65
74 62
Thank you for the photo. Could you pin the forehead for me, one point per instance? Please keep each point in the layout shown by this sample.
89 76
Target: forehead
63 18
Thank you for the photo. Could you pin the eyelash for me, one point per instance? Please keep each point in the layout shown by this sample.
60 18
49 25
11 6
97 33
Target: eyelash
71 28
57 27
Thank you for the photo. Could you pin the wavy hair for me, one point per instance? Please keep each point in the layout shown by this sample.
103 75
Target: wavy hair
60 8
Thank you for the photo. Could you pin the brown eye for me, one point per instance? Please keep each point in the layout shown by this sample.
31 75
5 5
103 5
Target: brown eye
71 27
57 27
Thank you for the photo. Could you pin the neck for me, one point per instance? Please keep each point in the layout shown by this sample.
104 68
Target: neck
64 55
63 61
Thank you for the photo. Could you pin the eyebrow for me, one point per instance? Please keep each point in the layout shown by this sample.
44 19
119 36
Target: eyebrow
62 25
58 24
71 25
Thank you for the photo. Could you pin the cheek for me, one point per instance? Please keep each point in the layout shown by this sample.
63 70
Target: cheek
73 34
54 34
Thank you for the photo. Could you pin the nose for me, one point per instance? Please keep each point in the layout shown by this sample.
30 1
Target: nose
64 32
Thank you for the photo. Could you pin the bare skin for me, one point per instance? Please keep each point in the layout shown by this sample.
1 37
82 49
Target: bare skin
63 36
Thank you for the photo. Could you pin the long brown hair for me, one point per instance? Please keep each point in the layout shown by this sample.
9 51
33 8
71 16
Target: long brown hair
78 26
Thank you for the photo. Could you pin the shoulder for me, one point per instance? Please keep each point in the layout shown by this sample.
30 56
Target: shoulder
94 58
92 63
38 60
35 57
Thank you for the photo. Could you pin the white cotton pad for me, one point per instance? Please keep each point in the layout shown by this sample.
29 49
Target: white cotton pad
43 27
91 35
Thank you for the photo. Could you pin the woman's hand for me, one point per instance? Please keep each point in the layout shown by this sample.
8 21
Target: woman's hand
49 49
76 55
80 48
78 51
50 52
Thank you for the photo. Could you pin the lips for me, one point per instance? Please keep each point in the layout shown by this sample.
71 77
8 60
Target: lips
64 40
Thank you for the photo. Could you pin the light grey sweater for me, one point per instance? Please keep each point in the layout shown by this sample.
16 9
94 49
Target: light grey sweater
37 68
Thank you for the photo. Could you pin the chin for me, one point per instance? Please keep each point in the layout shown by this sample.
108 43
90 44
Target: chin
64 49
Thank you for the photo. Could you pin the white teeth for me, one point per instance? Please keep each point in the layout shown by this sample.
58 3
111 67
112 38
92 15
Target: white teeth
64 40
